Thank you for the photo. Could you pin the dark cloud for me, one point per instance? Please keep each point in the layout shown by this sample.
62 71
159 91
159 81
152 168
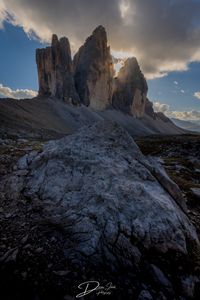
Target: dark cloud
163 34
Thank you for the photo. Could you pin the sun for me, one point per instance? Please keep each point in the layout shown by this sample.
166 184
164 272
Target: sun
119 58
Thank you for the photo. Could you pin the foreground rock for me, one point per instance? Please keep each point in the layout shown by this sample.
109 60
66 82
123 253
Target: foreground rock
96 211
196 192
55 71
93 71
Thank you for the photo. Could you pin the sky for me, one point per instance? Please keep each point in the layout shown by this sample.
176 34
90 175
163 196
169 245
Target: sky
163 35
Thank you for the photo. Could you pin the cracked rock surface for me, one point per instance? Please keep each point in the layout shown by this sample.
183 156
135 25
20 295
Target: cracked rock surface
91 201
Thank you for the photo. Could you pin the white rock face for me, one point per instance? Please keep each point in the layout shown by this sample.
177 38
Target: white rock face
93 71
96 186
102 89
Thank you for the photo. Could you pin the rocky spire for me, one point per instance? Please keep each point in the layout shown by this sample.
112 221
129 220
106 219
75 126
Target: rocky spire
55 71
130 89
89 79
93 71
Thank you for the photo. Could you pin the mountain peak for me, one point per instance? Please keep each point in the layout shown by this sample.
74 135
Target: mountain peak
99 30
55 71
90 78
93 71
130 89
54 40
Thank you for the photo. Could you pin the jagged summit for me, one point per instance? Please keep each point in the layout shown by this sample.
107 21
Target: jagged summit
130 90
89 79
94 70
54 40
55 71
63 42
100 31
130 67
86 81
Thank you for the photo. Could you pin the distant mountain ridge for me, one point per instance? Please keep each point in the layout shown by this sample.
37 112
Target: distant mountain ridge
188 125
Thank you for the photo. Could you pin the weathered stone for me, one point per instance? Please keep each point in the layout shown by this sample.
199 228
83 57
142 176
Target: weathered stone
93 204
93 71
130 89
22 162
98 175
196 192
188 285
10 255
145 295
55 71
161 279
154 166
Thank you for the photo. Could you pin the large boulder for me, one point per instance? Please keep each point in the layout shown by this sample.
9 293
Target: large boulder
130 89
55 71
103 180
117 217
93 71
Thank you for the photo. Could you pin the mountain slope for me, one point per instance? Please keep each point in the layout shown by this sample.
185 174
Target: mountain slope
83 91
188 125
48 118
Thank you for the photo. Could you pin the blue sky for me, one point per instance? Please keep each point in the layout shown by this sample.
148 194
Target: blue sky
17 58
177 89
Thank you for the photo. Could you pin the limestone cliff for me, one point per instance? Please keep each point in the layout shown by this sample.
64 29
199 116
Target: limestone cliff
89 78
55 71
93 71
130 89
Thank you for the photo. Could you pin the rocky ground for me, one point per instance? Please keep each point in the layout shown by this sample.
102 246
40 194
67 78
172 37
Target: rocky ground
33 248
181 158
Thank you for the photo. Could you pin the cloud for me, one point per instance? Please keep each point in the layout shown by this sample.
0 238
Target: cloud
182 115
185 115
182 91
163 35
176 82
197 95
3 14
160 107
6 92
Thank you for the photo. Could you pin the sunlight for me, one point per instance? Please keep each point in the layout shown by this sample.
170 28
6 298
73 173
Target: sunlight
124 8
118 64
119 58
